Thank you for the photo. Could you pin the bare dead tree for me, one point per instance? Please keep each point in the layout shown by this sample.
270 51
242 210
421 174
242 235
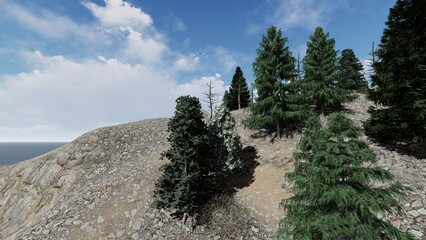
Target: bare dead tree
252 92
211 97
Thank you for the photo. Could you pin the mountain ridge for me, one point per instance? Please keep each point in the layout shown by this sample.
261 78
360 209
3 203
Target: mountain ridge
100 185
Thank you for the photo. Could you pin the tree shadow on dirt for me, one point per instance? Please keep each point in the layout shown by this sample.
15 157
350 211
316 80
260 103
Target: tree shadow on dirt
416 150
271 134
233 182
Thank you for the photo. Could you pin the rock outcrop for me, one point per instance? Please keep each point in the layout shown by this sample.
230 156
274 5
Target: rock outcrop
100 186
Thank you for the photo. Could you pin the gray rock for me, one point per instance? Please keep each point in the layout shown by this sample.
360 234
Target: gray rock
136 225
414 213
120 233
422 211
77 222
135 235
133 213
62 158
416 233
92 206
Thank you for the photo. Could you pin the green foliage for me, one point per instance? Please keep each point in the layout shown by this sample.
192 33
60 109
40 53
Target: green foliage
350 68
333 197
399 81
226 142
239 95
274 70
185 183
225 99
320 84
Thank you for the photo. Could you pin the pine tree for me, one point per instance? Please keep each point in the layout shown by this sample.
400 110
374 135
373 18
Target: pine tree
274 69
225 99
239 94
351 77
333 197
185 182
320 85
399 81
226 142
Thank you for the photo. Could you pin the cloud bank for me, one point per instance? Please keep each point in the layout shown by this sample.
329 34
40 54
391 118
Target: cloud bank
63 97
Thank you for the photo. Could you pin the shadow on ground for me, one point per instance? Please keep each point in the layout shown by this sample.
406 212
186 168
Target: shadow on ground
239 181
416 150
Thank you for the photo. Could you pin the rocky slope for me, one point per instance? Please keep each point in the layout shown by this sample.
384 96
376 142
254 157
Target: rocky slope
100 186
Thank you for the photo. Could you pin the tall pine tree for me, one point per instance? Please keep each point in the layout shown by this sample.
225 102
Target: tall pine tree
273 68
239 95
351 77
333 198
226 142
320 84
185 183
399 81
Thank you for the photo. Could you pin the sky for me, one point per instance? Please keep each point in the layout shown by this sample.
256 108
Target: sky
68 67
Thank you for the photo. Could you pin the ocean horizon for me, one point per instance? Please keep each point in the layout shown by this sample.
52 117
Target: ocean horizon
14 152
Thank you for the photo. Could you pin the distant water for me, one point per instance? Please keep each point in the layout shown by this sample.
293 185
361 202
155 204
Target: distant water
14 152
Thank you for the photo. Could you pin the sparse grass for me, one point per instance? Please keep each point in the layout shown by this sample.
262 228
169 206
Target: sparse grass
224 217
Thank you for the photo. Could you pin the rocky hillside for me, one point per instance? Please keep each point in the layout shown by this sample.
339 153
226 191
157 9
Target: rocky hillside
100 186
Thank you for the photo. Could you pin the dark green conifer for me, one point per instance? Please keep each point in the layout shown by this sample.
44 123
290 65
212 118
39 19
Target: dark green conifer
333 193
274 69
239 95
185 183
320 83
225 99
399 79
351 77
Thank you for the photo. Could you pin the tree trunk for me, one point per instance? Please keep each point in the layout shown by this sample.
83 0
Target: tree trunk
239 96
278 131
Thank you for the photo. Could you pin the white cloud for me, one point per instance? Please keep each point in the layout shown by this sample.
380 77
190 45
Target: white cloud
174 23
254 29
46 23
198 86
64 98
301 13
143 47
61 97
117 13
226 58
186 62
292 14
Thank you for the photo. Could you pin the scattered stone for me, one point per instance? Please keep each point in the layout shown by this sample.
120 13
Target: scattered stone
77 222
120 233
62 158
92 206
255 229
103 174
134 211
135 235
414 213
416 233
136 225
422 211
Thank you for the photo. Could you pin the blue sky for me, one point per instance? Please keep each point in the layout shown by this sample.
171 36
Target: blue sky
67 67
